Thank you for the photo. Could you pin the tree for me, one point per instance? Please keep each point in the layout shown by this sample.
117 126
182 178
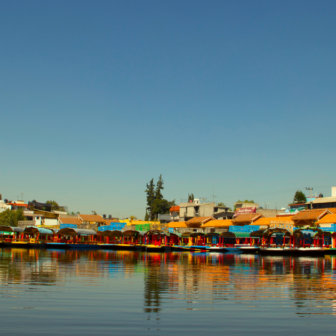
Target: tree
11 217
132 217
191 197
159 187
54 205
161 206
146 216
156 204
299 197
150 196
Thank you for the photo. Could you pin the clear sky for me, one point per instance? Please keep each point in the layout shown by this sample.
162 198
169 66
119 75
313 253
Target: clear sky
98 97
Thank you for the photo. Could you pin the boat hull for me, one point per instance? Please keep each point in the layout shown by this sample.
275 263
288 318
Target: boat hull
249 249
296 251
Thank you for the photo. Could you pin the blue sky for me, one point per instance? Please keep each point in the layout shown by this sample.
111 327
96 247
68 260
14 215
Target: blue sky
99 97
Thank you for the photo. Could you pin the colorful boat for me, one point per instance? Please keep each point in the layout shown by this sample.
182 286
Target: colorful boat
8 234
74 238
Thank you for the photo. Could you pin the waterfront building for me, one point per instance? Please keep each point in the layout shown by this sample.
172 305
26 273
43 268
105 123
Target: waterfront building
327 221
4 206
217 225
18 205
247 219
69 221
281 222
197 209
309 217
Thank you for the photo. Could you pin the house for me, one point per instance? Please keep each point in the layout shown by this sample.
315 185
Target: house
18 205
282 222
217 225
327 221
196 209
69 220
93 220
309 217
176 226
4 206
247 219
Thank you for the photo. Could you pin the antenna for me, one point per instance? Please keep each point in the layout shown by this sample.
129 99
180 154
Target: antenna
203 199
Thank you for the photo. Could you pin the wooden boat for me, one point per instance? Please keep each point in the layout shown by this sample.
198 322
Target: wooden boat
252 244
181 244
8 234
156 241
74 238
297 243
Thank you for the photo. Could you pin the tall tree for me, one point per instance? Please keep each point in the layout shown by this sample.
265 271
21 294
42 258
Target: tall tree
299 197
146 216
150 196
159 187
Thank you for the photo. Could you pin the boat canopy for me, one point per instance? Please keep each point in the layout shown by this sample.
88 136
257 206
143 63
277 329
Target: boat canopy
269 232
110 233
227 235
257 234
131 233
10 229
155 232
212 234
74 232
186 234
197 234
35 229
175 234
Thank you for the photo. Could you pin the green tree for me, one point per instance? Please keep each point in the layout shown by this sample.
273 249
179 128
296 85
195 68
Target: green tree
54 205
191 197
156 204
150 196
161 206
11 217
159 187
299 197
146 216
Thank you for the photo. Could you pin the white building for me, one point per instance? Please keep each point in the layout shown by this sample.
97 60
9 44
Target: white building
4 206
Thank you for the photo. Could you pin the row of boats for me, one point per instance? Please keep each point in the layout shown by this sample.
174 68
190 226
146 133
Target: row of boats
304 241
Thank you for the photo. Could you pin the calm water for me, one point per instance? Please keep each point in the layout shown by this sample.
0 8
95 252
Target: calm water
54 292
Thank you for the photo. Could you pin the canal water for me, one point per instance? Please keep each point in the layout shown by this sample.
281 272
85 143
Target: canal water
55 292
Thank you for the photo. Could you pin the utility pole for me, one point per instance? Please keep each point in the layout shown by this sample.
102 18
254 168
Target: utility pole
311 190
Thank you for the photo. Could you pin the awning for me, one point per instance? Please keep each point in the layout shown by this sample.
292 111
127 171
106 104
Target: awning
34 230
74 232
110 233
10 229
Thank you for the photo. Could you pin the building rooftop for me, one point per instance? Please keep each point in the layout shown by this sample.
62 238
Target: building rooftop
198 220
323 200
328 219
91 218
218 223
314 214
247 218
70 220
177 225
270 220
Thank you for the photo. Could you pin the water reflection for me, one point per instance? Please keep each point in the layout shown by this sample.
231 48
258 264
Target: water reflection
174 283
